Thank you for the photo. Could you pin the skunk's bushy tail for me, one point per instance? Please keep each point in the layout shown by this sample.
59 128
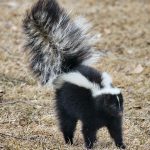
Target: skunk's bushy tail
56 44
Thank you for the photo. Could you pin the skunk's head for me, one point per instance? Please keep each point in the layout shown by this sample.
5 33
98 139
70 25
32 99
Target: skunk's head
113 104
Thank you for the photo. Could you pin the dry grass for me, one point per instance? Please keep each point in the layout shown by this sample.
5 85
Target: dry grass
27 113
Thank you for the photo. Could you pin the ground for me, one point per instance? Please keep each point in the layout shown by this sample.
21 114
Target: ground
27 111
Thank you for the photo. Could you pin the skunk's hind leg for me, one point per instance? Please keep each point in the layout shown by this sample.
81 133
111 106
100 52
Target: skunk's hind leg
67 126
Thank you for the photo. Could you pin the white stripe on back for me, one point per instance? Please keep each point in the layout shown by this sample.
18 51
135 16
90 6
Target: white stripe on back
80 80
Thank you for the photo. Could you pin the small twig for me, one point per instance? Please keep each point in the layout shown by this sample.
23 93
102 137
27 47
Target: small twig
35 138
5 122
5 49
14 102
11 136
1 146
9 53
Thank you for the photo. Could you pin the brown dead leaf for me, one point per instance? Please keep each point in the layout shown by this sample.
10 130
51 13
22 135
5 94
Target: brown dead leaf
138 69
107 31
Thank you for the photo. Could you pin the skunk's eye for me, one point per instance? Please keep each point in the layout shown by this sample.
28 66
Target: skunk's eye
113 106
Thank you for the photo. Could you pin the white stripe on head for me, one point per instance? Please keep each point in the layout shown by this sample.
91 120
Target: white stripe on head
118 102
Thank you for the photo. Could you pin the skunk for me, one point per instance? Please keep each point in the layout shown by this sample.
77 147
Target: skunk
60 53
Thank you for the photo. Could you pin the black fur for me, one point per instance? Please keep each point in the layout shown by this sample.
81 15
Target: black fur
56 45
76 103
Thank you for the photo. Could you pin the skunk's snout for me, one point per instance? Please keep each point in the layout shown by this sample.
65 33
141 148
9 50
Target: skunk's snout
120 113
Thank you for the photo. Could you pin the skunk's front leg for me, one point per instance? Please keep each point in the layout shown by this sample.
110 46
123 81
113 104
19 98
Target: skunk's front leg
115 130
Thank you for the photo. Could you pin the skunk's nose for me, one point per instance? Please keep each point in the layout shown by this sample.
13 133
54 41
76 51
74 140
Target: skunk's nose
120 113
